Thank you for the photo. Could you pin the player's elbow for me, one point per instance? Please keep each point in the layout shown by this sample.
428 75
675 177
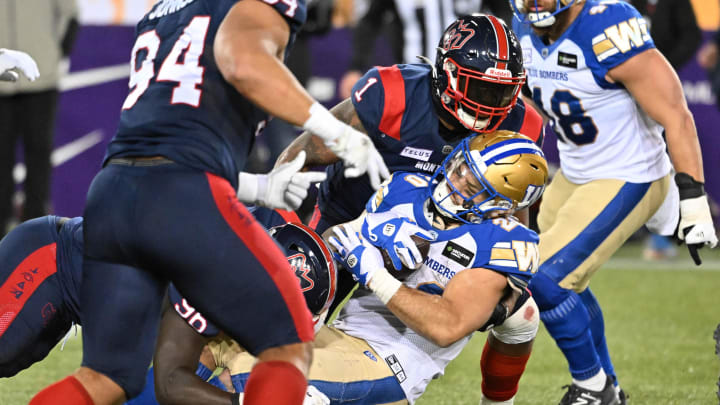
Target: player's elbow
168 387
445 336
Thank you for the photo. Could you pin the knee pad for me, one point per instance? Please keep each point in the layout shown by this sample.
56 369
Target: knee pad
521 326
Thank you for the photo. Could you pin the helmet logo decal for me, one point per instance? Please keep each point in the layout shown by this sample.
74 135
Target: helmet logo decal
301 268
456 38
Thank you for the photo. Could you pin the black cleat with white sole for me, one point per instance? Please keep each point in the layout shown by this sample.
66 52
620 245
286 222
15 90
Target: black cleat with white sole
581 396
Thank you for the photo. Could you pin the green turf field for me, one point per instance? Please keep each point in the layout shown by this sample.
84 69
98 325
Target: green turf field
659 321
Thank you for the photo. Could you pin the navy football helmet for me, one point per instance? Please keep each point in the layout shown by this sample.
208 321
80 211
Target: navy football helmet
540 18
313 265
478 73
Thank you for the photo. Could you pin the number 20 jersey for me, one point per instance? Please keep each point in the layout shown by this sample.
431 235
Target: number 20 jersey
602 132
502 245
179 105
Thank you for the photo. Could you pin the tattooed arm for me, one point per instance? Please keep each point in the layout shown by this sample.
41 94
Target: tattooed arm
317 153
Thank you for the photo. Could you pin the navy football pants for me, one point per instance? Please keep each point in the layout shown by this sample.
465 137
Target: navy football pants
147 223
32 310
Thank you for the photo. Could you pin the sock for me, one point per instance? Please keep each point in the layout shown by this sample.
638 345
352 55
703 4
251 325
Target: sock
485 401
594 383
68 391
597 329
568 322
501 374
275 382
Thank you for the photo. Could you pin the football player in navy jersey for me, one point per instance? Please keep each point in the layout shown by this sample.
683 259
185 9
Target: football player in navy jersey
40 273
166 206
416 113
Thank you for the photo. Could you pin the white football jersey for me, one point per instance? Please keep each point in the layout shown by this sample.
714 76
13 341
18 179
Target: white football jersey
602 132
502 244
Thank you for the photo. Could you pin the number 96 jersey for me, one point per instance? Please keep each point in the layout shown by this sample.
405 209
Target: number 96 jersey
602 132
179 105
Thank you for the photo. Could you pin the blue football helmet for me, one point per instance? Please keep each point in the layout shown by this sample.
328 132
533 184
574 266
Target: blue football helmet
488 174
313 265
478 73
540 19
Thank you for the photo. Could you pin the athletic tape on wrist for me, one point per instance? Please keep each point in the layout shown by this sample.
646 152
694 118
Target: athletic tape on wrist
384 285
323 124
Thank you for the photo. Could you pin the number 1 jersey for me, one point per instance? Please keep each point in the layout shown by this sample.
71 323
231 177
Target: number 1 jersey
179 105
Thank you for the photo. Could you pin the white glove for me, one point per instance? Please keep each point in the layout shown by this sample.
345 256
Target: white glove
353 147
10 59
313 396
391 232
364 261
285 187
696 227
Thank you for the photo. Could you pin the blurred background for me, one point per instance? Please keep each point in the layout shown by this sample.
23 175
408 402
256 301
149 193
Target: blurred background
341 40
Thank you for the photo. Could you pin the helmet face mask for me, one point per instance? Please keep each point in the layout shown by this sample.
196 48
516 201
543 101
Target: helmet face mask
539 19
488 175
478 72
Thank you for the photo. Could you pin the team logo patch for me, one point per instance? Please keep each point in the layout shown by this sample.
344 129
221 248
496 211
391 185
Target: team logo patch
567 60
352 260
388 229
396 368
371 356
457 253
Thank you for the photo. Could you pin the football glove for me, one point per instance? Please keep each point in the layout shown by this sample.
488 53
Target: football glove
10 59
359 257
391 232
364 261
354 148
285 187
696 227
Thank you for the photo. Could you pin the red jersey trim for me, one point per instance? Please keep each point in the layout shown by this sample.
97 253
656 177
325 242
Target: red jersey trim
394 108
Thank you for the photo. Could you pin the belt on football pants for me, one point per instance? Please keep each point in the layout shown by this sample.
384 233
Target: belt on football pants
140 161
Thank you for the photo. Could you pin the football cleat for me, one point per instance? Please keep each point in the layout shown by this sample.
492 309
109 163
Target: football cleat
576 395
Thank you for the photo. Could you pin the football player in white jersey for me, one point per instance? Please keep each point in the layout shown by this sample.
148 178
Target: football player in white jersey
593 69
393 337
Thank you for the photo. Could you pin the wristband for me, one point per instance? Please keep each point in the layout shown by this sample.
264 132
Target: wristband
235 399
384 285
688 187
203 372
251 187
323 124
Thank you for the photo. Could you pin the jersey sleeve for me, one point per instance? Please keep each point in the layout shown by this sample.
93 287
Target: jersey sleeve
511 249
616 32
375 203
293 11
193 318
368 98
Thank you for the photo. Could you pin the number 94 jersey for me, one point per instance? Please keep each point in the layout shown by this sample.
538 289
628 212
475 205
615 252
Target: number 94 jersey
179 105
602 132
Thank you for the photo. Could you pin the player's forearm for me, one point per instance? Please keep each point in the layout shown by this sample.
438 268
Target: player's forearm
429 315
684 147
317 153
189 389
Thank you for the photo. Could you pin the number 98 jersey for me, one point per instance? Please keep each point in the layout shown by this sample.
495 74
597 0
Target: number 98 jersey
179 105
602 132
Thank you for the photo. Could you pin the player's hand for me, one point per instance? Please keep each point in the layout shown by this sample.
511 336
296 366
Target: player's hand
360 156
696 227
352 146
313 396
285 187
360 257
10 59
391 232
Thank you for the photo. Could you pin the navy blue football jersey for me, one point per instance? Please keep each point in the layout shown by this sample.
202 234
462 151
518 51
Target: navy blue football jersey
395 107
179 105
